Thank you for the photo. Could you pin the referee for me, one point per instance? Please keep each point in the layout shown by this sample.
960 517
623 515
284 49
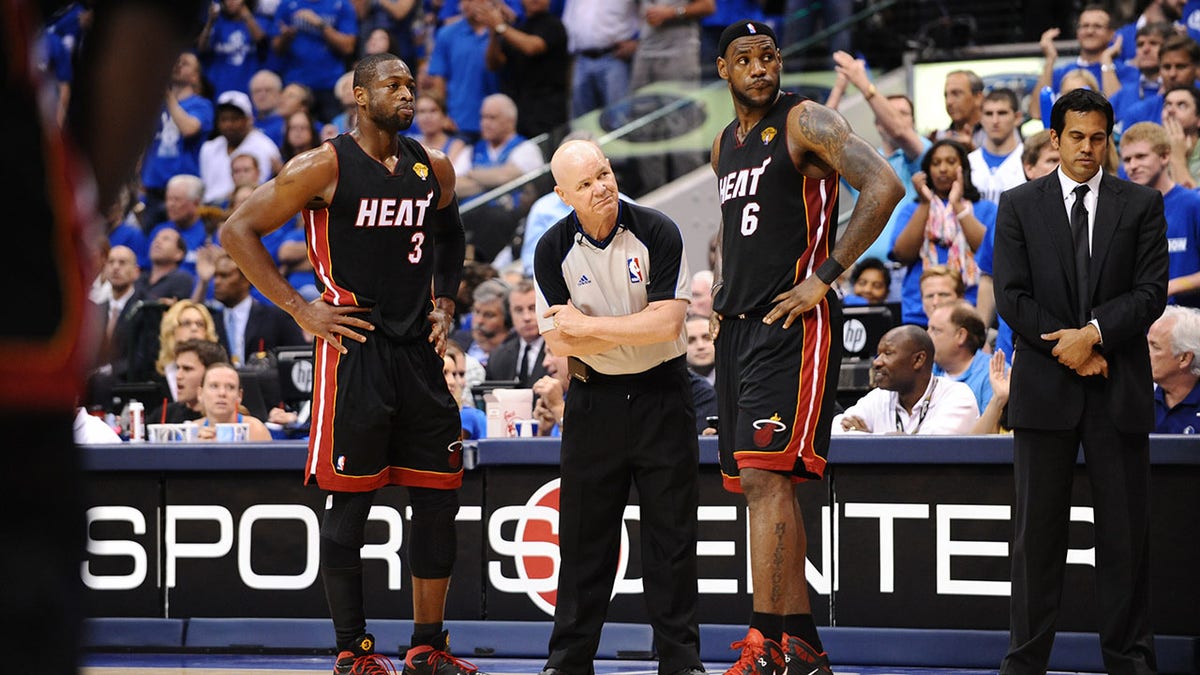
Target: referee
613 289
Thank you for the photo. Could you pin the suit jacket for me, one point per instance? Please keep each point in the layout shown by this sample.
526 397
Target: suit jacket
502 363
116 350
267 324
1035 293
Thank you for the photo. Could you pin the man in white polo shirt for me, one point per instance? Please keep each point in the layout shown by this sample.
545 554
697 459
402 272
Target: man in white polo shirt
909 398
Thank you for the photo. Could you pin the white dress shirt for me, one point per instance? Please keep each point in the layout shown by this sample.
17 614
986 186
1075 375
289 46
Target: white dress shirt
1090 199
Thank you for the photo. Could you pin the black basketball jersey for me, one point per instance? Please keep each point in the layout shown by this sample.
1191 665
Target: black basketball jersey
48 344
374 245
779 225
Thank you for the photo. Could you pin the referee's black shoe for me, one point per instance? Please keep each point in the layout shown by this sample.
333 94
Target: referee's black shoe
430 660
802 659
760 656
361 659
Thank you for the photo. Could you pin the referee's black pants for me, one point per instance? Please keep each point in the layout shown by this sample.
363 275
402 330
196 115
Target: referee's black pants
619 430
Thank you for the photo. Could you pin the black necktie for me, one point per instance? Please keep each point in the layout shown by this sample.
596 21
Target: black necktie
1083 257
521 364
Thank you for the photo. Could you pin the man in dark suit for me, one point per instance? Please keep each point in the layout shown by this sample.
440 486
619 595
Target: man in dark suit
118 312
1081 273
244 325
520 356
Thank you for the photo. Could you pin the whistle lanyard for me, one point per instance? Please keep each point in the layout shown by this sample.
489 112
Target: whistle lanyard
924 405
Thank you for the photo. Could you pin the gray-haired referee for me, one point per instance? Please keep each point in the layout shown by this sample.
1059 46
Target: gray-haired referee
613 289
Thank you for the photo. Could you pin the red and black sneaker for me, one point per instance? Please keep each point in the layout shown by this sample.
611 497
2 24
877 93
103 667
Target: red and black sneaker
428 660
361 659
802 659
760 656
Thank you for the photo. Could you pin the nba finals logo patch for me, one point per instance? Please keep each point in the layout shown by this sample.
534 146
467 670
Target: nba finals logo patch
635 270
768 135
421 170
765 430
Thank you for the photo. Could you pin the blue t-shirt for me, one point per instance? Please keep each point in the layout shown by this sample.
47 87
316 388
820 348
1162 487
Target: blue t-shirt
911 310
975 377
474 423
170 153
272 60
449 9
729 11
1191 19
310 60
60 41
983 258
1123 72
232 56
459 57
273 126
1184 418
1181 207
992 161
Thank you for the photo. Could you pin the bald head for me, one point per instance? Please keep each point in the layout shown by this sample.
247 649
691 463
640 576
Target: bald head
585 182
570 155
904 360
914 339
121 269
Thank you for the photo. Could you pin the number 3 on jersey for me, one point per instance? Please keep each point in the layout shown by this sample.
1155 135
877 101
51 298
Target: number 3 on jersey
749 219
418 238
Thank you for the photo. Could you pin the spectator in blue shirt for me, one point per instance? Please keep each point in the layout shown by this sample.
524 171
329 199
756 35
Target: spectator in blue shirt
184 125
184 193
266 92
1145 155
958 336
316 37
945 225
1174 341
458 68
474 420
1094 32
229 46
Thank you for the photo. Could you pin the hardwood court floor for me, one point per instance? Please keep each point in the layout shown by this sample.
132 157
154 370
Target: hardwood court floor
229 664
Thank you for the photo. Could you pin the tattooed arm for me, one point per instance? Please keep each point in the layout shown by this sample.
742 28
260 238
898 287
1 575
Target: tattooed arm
820 141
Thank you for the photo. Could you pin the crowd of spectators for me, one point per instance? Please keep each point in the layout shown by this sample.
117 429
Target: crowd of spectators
498 82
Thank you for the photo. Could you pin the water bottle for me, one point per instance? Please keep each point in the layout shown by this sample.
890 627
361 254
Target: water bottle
137 428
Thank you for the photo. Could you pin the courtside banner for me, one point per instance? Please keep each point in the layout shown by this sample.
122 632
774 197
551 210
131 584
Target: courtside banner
906 532
523 561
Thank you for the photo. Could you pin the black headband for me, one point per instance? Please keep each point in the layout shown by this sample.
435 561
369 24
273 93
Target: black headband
743 29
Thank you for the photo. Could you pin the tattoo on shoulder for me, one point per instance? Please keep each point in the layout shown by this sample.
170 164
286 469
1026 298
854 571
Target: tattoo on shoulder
822 127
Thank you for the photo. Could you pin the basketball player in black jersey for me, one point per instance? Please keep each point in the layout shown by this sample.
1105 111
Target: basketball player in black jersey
778 165
61 177
386 242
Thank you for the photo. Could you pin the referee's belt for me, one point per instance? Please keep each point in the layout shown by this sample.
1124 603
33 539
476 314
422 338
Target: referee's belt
654 376
598 52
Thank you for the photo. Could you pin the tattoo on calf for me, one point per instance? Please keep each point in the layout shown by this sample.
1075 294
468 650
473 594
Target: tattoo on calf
777 563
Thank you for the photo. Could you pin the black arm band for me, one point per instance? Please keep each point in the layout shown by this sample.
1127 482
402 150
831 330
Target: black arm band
449 250
830 270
